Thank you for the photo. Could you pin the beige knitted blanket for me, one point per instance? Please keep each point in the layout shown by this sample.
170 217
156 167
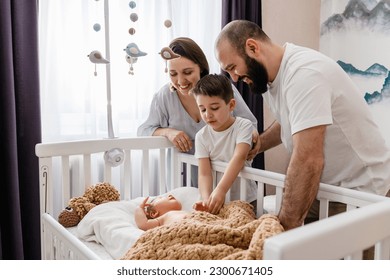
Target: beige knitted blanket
234 233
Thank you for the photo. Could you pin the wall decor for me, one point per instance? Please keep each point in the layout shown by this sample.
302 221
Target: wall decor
356 33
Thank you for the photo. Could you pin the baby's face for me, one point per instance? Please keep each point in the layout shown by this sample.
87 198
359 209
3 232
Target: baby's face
164 204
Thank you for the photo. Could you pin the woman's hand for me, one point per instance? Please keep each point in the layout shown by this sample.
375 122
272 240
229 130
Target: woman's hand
180 139
255 146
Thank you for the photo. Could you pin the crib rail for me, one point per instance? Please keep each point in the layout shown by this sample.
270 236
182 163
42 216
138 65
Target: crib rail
331 238
326 194
59 244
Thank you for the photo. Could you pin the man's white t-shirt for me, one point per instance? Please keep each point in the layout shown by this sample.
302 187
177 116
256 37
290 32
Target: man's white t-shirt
220 146
311 89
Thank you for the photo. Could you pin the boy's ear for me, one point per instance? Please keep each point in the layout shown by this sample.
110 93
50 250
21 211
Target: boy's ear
232 104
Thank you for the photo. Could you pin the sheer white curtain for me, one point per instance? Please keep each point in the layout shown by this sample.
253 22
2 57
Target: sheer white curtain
73 99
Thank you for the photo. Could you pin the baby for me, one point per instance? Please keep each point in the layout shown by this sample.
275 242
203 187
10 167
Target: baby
162 210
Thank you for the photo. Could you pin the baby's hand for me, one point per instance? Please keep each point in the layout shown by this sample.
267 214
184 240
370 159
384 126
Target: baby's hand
200 206
143 204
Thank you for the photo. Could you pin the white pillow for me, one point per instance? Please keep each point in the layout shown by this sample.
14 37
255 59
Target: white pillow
113 225
187 197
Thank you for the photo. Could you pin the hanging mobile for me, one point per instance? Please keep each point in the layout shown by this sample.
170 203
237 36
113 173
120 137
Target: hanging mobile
131 61
97 58
167 54
133 52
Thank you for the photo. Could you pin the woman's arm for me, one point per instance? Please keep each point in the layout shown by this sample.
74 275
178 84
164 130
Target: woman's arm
178 138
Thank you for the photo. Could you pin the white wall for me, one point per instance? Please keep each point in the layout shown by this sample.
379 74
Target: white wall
294 21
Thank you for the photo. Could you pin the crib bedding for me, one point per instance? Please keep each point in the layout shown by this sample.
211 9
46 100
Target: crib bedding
95 247
112 224
233 234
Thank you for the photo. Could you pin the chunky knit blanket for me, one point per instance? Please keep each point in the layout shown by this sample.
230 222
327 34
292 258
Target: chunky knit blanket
233 234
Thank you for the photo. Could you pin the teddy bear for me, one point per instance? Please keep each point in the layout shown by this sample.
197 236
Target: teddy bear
78 207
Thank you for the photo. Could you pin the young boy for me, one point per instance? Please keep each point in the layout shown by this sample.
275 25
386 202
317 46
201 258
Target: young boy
225 138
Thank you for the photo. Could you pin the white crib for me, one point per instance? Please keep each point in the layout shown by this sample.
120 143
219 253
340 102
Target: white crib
151 166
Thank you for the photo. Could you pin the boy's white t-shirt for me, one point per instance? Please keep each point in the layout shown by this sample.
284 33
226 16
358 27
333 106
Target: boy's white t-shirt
220 145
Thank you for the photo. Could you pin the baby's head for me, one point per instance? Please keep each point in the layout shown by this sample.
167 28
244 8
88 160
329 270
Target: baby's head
161 205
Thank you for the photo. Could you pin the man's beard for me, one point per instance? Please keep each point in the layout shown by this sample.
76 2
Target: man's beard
257 74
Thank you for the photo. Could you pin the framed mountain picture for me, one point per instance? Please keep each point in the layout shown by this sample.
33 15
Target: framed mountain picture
356 33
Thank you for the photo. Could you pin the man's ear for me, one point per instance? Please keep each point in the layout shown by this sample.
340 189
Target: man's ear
251 47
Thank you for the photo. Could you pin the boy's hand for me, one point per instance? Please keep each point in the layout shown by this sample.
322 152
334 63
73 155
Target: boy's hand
216 201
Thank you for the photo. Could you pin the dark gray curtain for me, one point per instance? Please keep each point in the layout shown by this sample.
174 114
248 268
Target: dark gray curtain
20 130
248 10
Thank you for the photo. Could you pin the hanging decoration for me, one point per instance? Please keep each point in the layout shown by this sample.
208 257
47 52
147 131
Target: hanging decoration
97 27
167 23
97 58
167 54
132 50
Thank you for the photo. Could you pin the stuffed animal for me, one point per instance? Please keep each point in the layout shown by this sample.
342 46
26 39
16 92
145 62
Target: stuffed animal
78 207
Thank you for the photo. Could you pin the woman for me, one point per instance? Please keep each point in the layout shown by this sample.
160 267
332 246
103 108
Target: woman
174 112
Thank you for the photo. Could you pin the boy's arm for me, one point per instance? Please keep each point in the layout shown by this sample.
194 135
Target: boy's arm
205 178
234 167
205 183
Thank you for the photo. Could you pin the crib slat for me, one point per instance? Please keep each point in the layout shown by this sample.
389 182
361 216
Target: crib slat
107 173
382 250
145 172
87 168
260 199
161 171
243 183
127 175
278 202
65 181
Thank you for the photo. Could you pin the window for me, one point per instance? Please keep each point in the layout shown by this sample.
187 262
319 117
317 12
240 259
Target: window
73 99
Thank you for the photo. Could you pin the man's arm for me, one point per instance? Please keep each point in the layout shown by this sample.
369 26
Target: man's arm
303 176
270 137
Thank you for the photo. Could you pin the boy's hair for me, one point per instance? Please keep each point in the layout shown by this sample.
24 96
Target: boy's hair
214 85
